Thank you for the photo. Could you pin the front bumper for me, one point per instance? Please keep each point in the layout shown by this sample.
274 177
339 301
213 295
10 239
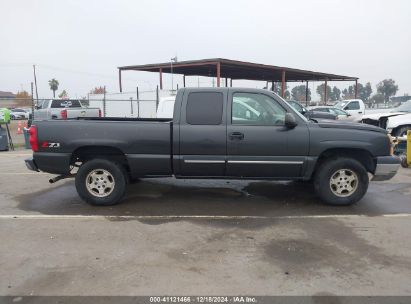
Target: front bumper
386 168
31 164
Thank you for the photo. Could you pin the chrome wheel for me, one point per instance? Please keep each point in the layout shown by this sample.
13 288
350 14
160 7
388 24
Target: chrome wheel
100 183
343 182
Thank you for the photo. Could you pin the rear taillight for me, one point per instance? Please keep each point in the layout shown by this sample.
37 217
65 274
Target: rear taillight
63 114
34 143
99 112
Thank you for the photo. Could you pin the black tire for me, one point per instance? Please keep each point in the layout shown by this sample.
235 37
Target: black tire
329 172
99 167
402 131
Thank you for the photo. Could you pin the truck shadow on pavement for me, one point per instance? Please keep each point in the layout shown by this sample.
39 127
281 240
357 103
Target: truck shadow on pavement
171 197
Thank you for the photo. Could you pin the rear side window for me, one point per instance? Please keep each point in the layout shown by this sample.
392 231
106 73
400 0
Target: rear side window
65 104
204 108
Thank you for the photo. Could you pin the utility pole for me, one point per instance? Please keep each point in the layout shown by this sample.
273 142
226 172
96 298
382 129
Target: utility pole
32 102
35 84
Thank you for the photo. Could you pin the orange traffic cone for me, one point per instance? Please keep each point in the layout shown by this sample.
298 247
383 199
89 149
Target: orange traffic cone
19 131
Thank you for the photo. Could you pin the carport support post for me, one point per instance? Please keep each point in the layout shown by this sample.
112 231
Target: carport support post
104 101
226 82
161 78
283 84
306 93
138 103
231 82
184 80
325 92
356 89
218 74
157 98
119 80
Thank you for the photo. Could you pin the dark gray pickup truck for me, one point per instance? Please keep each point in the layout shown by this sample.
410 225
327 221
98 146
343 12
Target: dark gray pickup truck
221 133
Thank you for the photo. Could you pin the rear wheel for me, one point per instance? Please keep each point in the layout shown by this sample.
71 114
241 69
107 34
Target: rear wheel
341 181
101 182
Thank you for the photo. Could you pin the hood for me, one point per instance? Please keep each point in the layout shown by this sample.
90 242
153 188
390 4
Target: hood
349 125
377 116
399 120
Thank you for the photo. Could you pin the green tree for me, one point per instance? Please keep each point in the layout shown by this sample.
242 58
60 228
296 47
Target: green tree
364 92
348 93
387 88
320 91
277 89
63 94
377 98
298 93
335 94
54 86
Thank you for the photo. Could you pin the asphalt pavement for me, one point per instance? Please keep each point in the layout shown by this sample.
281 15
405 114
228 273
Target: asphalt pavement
192 237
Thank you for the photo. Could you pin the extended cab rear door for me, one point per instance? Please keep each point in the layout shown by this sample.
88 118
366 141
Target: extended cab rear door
258 143
202 133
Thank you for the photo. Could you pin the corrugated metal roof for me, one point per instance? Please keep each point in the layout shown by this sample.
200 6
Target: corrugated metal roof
235 69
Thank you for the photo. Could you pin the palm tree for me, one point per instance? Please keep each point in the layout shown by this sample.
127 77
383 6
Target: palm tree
54 85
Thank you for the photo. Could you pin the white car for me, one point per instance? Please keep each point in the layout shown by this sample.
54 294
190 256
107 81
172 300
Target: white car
399 125
397 122
341 114
355 107
19 114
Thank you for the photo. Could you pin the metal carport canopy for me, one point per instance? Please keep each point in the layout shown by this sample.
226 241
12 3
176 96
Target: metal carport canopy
233 69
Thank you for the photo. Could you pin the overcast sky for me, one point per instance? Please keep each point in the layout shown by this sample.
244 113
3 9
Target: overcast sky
81 43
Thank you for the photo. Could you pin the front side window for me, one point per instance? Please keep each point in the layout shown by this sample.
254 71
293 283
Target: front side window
353 105
204 108
256 109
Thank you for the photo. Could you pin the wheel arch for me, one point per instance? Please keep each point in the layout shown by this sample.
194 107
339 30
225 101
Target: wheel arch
86 153
361 155
395 130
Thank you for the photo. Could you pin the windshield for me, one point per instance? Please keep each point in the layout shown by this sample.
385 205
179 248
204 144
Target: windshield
341 104
338 111
405 107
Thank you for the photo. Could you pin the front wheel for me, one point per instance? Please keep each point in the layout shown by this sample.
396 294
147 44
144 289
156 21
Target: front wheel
101 182
402 131
341 181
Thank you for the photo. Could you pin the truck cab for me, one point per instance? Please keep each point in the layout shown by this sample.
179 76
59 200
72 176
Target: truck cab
354 107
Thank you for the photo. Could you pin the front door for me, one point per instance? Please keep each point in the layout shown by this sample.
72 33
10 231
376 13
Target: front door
258 143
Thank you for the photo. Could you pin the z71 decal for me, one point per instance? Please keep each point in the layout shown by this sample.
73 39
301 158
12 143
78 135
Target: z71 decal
50 145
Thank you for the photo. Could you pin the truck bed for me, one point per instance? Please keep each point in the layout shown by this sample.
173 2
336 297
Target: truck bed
145 142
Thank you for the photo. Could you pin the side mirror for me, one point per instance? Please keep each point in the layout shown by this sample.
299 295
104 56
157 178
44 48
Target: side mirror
289 120
303 111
